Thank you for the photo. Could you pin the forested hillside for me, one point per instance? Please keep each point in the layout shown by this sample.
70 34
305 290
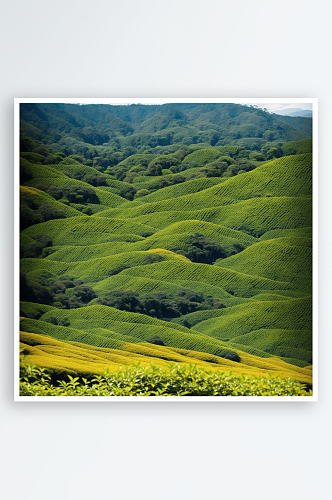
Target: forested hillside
172 233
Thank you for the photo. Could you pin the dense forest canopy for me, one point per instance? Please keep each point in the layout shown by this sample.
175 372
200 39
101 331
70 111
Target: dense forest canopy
75 129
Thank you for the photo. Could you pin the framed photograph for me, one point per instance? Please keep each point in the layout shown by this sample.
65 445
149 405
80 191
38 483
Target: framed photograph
166 249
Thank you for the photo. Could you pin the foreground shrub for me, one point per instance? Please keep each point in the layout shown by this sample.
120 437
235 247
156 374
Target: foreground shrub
153 380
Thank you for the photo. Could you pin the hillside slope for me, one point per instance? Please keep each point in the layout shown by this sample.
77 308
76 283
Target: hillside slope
176 256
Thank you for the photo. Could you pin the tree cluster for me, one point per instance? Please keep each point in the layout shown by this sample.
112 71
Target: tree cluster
73 194
256 233
65 292
160 304
37 249
204 250
31 213
36 152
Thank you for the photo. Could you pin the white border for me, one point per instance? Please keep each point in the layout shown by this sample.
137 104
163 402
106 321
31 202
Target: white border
158 101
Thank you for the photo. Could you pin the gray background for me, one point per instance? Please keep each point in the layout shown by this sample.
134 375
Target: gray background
154 48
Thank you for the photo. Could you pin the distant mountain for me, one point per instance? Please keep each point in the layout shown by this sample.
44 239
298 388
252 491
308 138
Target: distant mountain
304 113
75 129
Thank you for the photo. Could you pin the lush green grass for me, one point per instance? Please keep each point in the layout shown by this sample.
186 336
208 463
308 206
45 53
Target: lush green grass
186 203
136 159
33 310
102 326
297 147
99 338
73 253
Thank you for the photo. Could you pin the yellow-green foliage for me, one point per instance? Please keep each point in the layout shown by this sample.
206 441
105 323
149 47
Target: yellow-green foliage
136 159
289 176
297 147
189 202
102 326
81 359
97 325
153 380
33 310
99 338
25 240
162 251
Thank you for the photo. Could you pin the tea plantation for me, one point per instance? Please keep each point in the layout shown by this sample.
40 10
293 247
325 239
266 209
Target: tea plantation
193 254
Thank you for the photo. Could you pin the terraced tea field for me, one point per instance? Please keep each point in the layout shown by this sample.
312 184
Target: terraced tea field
77 358
95 284
288 259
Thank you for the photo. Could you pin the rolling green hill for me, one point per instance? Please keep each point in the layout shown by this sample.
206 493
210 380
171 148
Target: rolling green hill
288 259
257 214
288 176
77 358
146 239
49 176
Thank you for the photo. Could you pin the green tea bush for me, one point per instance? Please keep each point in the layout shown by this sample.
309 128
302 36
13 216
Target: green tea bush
153 380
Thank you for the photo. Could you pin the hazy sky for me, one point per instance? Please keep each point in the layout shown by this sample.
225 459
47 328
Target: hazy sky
278 106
